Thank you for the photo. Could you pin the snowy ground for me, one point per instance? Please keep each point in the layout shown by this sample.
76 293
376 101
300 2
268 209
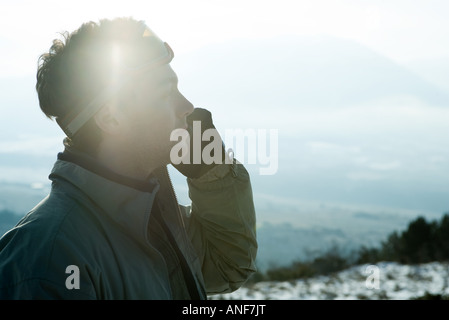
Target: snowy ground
386 281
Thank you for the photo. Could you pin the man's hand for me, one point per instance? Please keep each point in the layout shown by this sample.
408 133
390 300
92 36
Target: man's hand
193 169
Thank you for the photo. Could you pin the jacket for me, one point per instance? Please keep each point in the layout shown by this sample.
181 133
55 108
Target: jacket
99 235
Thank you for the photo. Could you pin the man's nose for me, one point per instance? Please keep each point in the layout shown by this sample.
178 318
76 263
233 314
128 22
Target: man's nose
183 106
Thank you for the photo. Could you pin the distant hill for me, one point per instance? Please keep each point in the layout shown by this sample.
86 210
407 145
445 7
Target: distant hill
434 70
20 198
7 220
297 72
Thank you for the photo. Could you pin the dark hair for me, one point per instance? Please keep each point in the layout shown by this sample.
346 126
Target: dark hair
78 66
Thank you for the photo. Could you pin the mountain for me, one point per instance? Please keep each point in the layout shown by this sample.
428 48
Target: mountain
435 71
20 198
7 220
297 72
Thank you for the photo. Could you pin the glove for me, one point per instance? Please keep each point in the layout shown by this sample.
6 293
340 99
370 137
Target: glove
191 168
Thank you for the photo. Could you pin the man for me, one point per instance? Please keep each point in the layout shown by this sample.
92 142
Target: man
111 227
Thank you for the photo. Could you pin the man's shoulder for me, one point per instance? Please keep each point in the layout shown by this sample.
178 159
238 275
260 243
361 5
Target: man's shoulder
37 228
39 248
46 219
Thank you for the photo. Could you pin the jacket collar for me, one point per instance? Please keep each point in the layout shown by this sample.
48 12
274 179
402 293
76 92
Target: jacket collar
125 200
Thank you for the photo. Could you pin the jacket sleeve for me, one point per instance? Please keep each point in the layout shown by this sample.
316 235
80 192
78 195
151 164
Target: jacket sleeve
221 225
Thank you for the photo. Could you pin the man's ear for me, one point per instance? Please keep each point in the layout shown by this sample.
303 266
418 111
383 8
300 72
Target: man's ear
107 119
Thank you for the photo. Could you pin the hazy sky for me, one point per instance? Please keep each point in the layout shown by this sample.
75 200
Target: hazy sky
403 30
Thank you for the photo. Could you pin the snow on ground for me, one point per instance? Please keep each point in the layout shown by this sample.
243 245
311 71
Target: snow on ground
382 281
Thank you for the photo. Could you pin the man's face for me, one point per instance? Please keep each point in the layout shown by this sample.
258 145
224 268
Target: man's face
156 109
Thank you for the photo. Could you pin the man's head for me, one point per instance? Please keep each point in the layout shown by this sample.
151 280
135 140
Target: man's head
110 88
